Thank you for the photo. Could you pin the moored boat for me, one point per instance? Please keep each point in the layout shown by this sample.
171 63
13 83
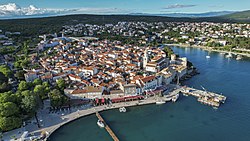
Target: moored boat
215 107
100 124
160 102
122 109
174 98
229 55
239 57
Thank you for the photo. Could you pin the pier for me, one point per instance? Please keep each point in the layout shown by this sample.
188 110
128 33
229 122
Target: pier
205 97
109 130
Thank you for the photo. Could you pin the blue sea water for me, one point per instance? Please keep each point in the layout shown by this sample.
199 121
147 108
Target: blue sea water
187 119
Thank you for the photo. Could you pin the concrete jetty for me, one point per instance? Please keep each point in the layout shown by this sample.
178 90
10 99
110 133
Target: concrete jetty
109 130
205 97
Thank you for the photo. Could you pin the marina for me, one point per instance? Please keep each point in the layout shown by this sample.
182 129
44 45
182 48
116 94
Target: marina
205 97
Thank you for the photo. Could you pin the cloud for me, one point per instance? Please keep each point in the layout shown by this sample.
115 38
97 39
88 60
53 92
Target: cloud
216 6
175 6
98 10
12 10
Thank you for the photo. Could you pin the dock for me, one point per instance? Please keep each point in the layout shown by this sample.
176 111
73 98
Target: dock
108 129
205 97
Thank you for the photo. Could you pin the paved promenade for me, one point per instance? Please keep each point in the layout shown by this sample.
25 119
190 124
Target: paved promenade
52 121
93 110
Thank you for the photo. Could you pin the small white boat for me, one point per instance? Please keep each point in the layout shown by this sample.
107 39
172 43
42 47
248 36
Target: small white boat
174 98
229 55
100 124
122 109
208 57
160 102
239 57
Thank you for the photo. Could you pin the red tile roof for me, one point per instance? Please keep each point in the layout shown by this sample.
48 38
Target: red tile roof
148 78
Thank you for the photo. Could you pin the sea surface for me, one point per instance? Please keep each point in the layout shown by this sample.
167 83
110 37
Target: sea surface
187 119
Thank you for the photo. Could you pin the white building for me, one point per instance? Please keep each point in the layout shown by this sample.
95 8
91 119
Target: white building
89 92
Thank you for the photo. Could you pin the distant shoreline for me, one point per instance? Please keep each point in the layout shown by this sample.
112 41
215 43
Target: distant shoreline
208 49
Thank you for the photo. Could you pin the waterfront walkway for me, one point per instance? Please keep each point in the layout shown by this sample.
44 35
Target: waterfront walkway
75 115
52 121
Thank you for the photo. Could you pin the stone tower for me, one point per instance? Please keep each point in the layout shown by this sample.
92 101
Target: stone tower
44 38
145 58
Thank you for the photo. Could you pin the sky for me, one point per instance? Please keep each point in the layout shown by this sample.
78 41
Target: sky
120 6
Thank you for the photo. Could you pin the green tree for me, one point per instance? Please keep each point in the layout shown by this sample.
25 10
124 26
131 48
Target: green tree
25 63
26 93
20 75
17 64
37 81
7 97
9 123
168 51
3 78
61 84
57 99
40 91
4 87
1 135
6 70
45 84
8 109
7 50
46 87
30 104
23 85
26 48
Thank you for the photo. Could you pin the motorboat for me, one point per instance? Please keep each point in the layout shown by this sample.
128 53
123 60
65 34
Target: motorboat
100 124
229 55
208 55
160 102
122 109
239 57
174 98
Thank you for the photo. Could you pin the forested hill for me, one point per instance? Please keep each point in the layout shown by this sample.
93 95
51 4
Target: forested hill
238 16
36 26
